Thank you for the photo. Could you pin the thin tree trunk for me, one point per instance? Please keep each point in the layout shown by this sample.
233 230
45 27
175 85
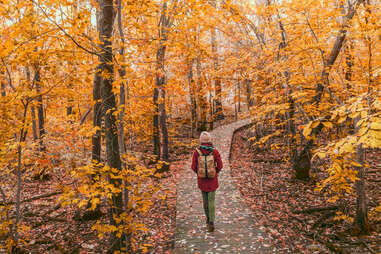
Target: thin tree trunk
202 102
97 120
361 219
193 104
122 102
122 74
19 176
239 95
164 25
3 93
33 111
106 22
218 112
249 99
40 110
69 108
163 126
34 125
211 107
349 64
156 130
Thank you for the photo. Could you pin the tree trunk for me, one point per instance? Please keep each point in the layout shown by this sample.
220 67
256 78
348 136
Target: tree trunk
33 111
164 156
211 109
249 99
239 95
164 25
19 172
97 120
34 125
192 95
3 93
218 112
361 219
202 102
349 58
156 130
122 103
160 83
40 110
122 74
106 22
69 107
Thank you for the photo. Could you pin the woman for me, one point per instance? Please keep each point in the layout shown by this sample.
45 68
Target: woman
208 186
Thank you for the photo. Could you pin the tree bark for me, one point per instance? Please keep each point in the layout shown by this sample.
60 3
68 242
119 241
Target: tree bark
34 125
349 58
19 175
122 74
193 104
97 120
40 110
249 99
122 104
156 130
361 221
106 22
33 111
218 112
159 92
202 102
239 95
3 93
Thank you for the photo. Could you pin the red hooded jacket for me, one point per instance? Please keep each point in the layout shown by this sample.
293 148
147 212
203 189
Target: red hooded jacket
207 184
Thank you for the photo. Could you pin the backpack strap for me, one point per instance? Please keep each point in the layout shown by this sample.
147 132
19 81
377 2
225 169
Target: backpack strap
198 151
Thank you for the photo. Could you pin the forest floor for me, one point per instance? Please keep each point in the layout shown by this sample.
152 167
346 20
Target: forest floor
53 228
279 203
285 207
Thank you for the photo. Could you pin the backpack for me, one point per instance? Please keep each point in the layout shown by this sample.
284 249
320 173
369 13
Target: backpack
206 165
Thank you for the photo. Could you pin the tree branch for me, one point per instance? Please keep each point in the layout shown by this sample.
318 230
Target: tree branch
65 33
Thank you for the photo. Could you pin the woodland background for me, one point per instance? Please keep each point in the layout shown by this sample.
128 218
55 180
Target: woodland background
101 102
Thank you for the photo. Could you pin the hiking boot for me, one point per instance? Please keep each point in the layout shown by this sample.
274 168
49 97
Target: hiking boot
211 227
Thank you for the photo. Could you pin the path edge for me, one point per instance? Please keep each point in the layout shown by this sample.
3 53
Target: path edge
245 126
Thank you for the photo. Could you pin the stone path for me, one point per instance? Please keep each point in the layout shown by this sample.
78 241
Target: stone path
235 229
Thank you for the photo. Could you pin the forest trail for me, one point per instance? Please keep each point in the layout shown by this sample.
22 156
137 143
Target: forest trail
235 228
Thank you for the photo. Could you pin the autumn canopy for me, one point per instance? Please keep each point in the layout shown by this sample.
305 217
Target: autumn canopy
100 99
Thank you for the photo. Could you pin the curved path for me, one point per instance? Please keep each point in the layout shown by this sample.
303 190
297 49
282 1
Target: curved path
235 229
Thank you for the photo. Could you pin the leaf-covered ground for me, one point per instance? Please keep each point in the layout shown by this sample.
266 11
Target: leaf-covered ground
57 229
281 203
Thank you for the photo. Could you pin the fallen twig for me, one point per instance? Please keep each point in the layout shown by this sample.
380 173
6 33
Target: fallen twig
367 246
322 219
329 245
33 198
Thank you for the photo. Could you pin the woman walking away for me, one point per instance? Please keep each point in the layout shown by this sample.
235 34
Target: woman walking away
207 164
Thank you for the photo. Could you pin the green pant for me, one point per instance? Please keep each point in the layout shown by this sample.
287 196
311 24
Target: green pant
209 207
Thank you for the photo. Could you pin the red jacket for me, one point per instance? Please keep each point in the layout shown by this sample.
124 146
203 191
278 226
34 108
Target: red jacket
207 184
